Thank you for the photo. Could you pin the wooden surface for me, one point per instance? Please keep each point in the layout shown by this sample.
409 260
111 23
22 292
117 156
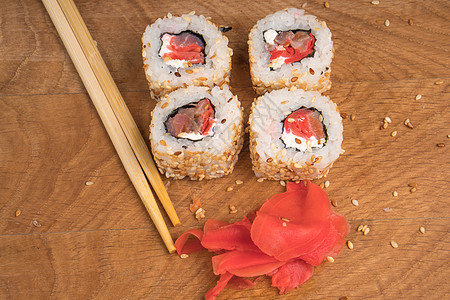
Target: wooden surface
98 241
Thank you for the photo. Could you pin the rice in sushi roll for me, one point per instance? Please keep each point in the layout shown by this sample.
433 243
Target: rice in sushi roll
290 49
197 132
184 51
294 135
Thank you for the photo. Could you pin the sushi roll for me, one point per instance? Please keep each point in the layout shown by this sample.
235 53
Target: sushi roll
290 49
197 132
184 51
294 135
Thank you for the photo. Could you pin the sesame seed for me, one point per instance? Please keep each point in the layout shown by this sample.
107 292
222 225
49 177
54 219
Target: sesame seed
229 189
448 136
284 224
184 255
418 97
387 209
387 23
395 194
260 179
360 227
366 231
413 190
352 117
326 4
375 2
387 119
334 203
330 259
290 120
327 184
410 22
394 133
385 125
285 219
343 115
439 82
355 202
304 4
18 212
422 229
36 224
350 245
440 145
394 244
282 182
239 182
364 228
412 184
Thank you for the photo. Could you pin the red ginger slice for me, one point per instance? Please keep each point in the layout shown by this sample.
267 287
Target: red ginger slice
244 263
293 223
291 275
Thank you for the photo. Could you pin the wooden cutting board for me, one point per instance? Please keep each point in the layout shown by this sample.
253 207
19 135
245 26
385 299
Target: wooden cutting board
61 237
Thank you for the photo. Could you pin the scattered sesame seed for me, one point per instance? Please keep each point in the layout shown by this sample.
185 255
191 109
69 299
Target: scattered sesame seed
284 224
360 227
282 182
36 224
366 231
440 145
330 259
385 125
394 244
422 229
184 255
239 182
387 119
352 117
387 209
387 23
322 185
410 22
89 183
285 219
394 133
448 136
439 82
395 194
18 212
412 184
418 97
355 202
343 115
290 120
334 203
413 190
233 209
364 228
375 2
229 189
327 184
260 179
304 4
326 4
350 245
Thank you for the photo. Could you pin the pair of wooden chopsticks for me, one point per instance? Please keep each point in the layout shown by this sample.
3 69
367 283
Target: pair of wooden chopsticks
116 117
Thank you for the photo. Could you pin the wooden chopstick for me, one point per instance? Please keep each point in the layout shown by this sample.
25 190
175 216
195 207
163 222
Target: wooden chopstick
109 119
117 104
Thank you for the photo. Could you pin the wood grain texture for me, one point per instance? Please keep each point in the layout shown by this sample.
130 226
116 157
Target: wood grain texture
97 241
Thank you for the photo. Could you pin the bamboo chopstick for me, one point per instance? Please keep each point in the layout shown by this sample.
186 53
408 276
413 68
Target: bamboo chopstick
117 104
108 118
